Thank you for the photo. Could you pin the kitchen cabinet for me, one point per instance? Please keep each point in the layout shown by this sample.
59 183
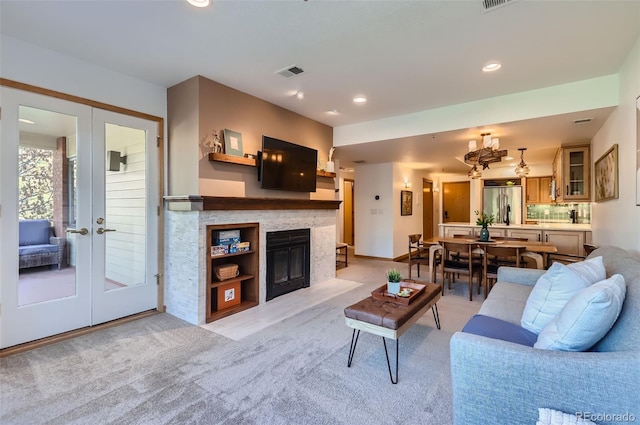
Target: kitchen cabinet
538 190
567 242
530 234
572 171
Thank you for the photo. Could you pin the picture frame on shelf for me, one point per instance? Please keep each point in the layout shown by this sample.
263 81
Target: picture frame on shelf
606 175
406 202
233 143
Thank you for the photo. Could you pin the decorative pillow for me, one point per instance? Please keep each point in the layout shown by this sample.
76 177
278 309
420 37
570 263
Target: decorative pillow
550 293
592 269
586 318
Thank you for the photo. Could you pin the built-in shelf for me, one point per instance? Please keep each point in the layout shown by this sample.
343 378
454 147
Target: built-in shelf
230 159
251 162
246 283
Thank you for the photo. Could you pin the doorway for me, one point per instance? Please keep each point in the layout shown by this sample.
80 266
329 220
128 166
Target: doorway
63 200
349 217
456 199
427 209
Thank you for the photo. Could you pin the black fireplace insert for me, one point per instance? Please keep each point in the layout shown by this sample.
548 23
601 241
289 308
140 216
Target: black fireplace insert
288 261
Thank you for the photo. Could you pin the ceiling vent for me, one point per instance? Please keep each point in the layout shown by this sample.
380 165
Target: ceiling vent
582 121
359 161
290 71
489 5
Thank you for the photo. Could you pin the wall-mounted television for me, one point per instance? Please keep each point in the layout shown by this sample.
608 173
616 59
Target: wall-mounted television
287 166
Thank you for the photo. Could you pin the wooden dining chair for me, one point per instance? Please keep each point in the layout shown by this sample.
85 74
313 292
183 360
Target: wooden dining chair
498 256
527 258
417 253
452 264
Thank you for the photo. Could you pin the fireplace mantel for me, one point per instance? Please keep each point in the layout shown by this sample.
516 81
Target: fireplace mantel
224 203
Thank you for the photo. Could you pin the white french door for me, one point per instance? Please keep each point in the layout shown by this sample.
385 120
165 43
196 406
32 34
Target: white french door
125 219
100 261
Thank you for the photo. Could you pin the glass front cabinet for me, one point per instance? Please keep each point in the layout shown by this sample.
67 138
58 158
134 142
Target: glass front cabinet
576 176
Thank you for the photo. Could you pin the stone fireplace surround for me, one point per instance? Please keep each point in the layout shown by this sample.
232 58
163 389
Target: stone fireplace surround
186 219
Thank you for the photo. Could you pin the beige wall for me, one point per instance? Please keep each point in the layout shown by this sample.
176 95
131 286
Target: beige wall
199 106
617 222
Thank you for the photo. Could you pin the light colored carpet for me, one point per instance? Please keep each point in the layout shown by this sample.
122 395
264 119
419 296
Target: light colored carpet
161 370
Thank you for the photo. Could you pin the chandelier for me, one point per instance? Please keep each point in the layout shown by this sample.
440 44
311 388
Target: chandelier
522 169
474 173
488 154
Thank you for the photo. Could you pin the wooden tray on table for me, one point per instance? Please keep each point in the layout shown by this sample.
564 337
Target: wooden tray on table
381 293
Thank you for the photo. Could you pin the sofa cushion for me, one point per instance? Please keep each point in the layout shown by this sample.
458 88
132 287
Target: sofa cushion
34 232
586 318
499 329
37 249
506 301
554 289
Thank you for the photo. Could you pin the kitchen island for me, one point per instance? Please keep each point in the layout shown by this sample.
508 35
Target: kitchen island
567 237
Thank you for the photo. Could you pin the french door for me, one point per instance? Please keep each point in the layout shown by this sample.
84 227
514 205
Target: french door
78 219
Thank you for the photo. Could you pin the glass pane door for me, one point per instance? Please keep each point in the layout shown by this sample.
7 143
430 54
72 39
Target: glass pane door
125 215
45 254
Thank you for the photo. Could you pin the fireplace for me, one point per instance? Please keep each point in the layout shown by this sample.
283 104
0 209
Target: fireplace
288 261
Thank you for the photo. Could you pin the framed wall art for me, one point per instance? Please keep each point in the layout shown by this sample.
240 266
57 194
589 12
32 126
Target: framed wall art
232 143
606 175
406 202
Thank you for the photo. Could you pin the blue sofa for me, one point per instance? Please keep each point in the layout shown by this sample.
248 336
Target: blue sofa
499 382
38 246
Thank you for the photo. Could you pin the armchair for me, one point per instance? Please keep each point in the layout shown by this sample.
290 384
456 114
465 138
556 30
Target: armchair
38 246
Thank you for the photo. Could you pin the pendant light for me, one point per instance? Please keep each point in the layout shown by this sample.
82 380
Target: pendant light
522 170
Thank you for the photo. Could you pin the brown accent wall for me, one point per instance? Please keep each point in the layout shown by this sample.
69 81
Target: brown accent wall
220 107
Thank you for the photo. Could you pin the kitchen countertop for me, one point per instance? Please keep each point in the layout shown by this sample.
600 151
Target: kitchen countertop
539 226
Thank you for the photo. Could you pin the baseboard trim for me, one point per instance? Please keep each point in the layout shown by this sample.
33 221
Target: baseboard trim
27 346
373 258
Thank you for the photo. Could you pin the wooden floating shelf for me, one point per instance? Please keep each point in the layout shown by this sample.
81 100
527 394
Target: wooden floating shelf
230 159
322 173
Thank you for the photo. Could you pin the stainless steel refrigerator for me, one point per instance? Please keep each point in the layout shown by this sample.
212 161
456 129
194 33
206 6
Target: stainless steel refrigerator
504 202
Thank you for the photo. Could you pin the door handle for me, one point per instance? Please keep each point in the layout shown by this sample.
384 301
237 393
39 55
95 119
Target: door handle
101 230
82 231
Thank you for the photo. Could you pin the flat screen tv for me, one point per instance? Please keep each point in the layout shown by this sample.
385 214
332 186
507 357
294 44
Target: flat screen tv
287 166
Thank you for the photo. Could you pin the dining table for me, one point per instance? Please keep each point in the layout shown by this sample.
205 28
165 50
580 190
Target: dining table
474 242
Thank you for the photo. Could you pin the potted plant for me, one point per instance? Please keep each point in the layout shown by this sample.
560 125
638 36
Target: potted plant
484 220
393 281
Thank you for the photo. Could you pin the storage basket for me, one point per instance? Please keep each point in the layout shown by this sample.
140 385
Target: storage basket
226 271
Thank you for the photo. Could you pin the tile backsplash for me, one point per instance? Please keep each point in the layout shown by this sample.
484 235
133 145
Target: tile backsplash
559 213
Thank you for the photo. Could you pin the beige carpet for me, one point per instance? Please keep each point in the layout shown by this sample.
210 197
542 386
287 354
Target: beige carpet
161 370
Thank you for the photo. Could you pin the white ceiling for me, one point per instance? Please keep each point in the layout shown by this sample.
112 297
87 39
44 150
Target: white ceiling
405 56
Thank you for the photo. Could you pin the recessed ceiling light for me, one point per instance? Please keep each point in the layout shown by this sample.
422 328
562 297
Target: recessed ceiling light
199 3
333 112
359 99
492 66
300 95
26 121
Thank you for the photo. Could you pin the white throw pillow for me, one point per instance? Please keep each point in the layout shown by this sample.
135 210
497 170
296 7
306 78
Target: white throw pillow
586 318
550 293
592 269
